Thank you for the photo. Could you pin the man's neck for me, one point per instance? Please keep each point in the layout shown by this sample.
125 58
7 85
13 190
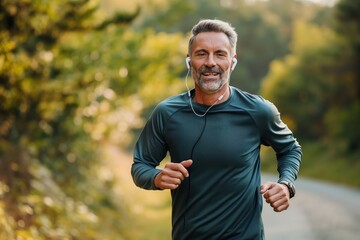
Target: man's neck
210 98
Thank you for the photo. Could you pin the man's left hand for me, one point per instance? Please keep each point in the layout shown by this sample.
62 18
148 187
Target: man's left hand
277 195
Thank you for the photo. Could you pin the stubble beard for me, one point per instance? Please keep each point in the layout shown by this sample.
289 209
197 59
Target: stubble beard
210 86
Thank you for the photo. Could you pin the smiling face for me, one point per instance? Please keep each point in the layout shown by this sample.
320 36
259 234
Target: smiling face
211 61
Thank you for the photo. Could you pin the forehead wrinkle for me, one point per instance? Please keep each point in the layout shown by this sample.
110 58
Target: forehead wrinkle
212 41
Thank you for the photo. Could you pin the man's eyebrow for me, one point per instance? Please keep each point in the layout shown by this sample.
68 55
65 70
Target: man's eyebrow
200 50
221 51
217 51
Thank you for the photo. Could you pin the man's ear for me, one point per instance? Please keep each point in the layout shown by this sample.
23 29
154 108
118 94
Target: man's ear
187 62
234 62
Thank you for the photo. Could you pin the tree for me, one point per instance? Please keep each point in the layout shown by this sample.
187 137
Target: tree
345 116
321 78
43 129
264 29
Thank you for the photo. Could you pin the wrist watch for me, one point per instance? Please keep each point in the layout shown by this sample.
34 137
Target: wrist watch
290 186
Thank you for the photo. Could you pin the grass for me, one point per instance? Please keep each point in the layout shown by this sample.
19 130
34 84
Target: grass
150 211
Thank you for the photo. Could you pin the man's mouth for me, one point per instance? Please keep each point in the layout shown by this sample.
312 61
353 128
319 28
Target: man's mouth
210 74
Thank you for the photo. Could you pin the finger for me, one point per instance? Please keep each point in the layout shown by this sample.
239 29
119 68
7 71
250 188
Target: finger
169 186
164 181
187 163
274 195
173 170
182 167
171 180
282 207
278 202
265 187
176 170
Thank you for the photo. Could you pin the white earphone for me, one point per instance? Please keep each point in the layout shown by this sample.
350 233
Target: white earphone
187 61
234 60
234 64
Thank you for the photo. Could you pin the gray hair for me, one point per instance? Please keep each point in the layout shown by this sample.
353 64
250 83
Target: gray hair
209 25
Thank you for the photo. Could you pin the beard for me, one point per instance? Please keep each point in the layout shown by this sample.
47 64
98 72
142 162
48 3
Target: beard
209 85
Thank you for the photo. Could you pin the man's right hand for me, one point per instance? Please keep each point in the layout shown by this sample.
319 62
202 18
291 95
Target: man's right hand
172 175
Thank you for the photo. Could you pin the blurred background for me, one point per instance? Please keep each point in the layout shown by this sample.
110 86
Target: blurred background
78 79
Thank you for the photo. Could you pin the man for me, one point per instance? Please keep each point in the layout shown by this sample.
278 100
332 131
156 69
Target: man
213 134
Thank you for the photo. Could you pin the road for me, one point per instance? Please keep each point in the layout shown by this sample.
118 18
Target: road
319 211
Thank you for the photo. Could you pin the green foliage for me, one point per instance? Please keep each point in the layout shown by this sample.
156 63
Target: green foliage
348 19
342 124
264 29
72 81
51 182
304 69
125 72
348 27
317 85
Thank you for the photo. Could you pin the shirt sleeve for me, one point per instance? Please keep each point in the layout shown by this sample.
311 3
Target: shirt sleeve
276 134
149 151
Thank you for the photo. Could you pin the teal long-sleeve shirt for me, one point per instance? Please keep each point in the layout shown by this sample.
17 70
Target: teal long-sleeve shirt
221 197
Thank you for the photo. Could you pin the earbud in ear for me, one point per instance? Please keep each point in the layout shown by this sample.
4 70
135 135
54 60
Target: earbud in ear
187 61
234 64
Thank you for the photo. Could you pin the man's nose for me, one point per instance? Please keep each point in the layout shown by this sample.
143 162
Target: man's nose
210 61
